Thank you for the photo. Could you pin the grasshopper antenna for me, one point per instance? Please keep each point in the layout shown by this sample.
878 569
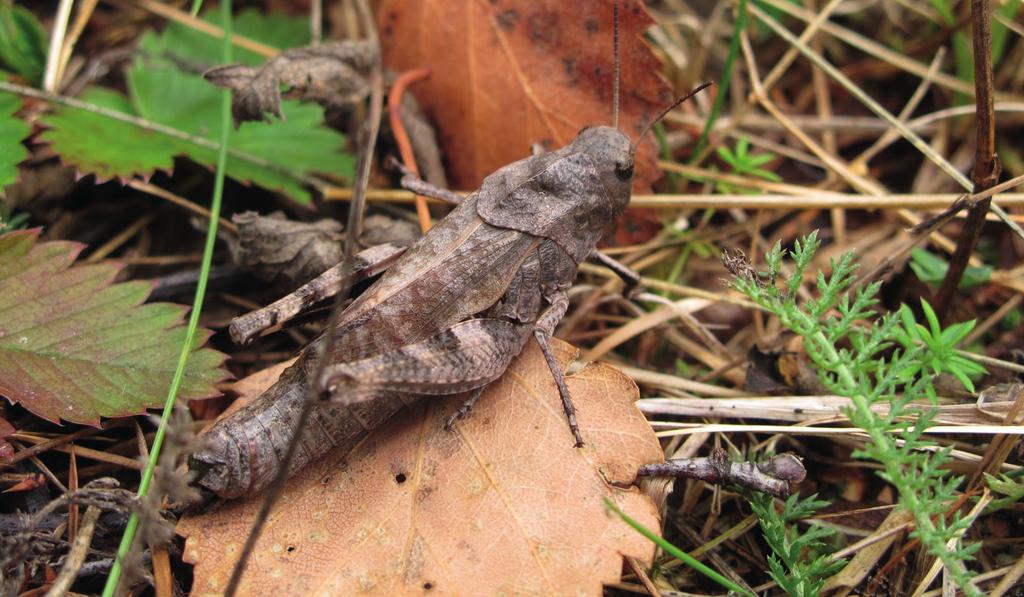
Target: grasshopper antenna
615 82
672 106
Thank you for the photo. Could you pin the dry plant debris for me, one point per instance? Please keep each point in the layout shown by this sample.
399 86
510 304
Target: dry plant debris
855 119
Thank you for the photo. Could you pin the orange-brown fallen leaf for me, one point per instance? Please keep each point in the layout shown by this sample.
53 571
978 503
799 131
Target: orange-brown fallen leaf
510 73
502 505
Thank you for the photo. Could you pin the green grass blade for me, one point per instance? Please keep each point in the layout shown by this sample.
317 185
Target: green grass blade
193 322
677 553
723 85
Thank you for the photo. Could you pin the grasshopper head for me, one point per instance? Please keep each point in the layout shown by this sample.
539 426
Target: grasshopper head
613 154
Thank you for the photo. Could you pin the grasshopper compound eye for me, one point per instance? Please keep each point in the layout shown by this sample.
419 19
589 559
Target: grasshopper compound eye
624 170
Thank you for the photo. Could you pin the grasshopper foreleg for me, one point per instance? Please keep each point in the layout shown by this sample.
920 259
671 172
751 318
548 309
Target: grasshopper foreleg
630 277
365 264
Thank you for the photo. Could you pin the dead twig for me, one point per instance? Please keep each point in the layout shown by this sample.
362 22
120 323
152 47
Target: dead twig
986 164
772 477
76 557
367 145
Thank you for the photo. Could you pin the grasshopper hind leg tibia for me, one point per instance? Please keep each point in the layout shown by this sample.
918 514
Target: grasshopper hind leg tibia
365 264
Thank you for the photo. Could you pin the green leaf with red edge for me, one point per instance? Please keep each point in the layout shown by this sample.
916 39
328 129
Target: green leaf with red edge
74 346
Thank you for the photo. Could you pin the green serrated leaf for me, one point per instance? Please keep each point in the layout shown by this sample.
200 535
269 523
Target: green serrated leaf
163 92
75 347
13 131
165 87
22 42
189 103
108 148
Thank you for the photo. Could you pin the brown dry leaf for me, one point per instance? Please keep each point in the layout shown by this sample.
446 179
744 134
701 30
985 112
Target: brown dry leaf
291 252
504 504
330 74
510 73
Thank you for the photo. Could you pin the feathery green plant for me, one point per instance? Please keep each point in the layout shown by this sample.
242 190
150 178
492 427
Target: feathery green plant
875 359
798 562
1009 486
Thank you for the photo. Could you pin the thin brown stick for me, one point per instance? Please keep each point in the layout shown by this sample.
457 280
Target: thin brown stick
120 238
986 165
638 568
85 10
173 14
84 452
163 581
152 189
60 440
73 518
780 196
398 90
76 557
324 348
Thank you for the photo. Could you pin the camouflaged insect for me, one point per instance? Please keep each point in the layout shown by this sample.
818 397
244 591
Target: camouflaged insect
448 315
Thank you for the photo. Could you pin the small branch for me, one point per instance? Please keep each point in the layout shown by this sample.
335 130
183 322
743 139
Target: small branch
152 189
173 14
986 165
76 557
638 569
802 198
772 477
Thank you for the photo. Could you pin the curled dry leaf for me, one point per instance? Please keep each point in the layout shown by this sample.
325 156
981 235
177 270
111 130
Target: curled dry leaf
275 248
510 73
332 75
503 504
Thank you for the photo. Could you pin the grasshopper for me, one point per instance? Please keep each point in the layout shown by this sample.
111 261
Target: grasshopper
448 315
